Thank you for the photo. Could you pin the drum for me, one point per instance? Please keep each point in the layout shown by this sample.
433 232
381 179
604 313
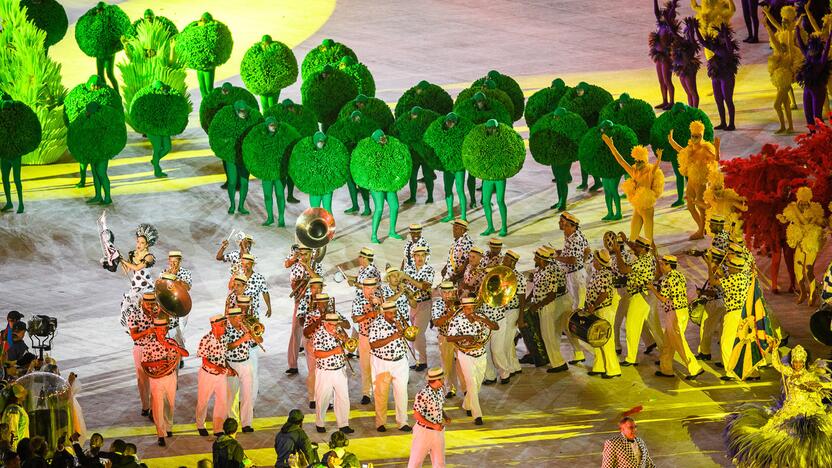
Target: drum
821 324
696 310
591 329
173 297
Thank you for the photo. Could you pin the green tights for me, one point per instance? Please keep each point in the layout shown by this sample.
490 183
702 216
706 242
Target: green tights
354 191
206 81
106 66
270 188
471 183
450 179
12 167
101 183
680 185
233 171
161 148
429 177
585 181
82 181
612 198
315 201
378 209
561 173
268 100
488 188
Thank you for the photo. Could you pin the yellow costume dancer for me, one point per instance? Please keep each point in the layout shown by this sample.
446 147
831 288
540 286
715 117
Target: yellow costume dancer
726 202
804 233
781 70
712 14
784 33
696 161
643 188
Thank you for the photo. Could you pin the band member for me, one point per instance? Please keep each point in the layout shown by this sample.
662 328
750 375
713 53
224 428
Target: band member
619 280
639 275
389 364
160 358
364 310
140 324
458 254
394 289
444 308
238 288
512 311
720 236
600 300
234 257
494 256
735 284
469 332
308 312
255 286
419 278
473 274
714 312
328 346
242 388
137 266
575 252
366 269
183 275
416 240
431 419
672 293
212 379
301 269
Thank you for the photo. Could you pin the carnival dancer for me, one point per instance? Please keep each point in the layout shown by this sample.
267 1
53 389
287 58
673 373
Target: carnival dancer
416 240
601 301
512 312
140 324
182 275
431 419
575 252
804 233
160 359
364 310
389 364
302 268
458 255
137 266
444 308
473 274
234 257
696 161
735 284
470 332
328 346
782 66
661 41
721 202
419 278
723 63
308 313
548 298
212 379
686 63
639 274
813 73
242 388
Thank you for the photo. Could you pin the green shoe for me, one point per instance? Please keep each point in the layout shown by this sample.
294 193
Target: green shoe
352 210
91 201
393 235
487 232
269 221
446 218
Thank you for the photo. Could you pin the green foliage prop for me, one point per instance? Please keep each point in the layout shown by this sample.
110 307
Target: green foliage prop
97 136
509 86
587 101
160 110
296 115
352 129
326 92
319 171
225 95
427 96
544 101
359 72
555 137
493 152
328 53
227 130
381 167
49 16
204 44
94 90
678 119
20 131
447 143
480 108
268 66
634 113
98 31
373 108
595 156
266 153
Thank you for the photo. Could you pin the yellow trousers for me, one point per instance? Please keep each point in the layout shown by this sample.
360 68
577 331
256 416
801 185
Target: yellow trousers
675 343
638 311
729 332
606 361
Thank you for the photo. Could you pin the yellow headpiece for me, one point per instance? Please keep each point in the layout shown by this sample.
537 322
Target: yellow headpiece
799 354
804 194
697 127
639 153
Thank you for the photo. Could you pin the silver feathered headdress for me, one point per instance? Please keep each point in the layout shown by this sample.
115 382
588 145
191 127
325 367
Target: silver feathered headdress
149 233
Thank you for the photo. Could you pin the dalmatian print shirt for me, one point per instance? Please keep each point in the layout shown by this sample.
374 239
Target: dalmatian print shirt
521 291
472 278
309 314
234 259
575 246
674 286
370 271
549 279
628 257
402 306
240 353
600 282
643 272
429 403
461 325
489 260
735 287
141 322
437 310
153 350
213 349
425 274
380 329
358 309
322 340
255 287
458 255
408 249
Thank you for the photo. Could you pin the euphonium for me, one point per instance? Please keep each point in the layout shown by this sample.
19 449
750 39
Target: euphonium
411 332
351 344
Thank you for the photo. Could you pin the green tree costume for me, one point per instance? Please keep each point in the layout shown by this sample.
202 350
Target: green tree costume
359 72
49 16
328 53
268 67
319 164
371 107
509 86
634 113
678 119
225 136
20 133
326 92
75 104
350 131
266 148
554 141
544 101
410 128
489 89
445 136
204 45
587 101
159 111
303 120
218 98
382 164
426 96
596 158
98 34
94 138
151 17
493 152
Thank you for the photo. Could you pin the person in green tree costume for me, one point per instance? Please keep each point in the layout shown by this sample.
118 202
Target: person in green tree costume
553 141
445 136
350 131
371 107
359 72
49 16
493 152
204 44
151 17
326 92
678 120
20 132
75 104
544 101
597 159
587 101
382 164
268 67
634 113
426 96
94 138
303 120
410 128
328 52
98 34
509 86
159 111
225 136
319 164
266 148
490 90
225 95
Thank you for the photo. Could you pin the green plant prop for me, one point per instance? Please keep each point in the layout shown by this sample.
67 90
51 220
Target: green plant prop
489 89
554 141
225 136
359 72
94 138
50 17
479 109
382 164
205 44
544 101
151 17
445 136
509 86
296 115
266 148
328 53
634 113
98 33
225 95
30 76
587 101
677 119
350 131
597 159
426 96
493 152
319 165
371 107
410 128
268 67
159 111
20 133
326 92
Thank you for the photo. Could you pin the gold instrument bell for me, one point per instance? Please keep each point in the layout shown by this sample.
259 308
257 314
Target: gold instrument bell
498 286
255 326
315 227
351 344
411 332
172 296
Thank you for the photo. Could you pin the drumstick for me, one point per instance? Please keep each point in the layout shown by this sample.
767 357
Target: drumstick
231 234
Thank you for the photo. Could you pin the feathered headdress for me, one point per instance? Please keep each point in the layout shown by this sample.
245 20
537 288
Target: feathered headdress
149 233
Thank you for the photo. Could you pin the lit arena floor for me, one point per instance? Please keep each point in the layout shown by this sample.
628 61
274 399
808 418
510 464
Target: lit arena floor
49 255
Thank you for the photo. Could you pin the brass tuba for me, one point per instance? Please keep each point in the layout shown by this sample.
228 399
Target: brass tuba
172 296
499 286
314 228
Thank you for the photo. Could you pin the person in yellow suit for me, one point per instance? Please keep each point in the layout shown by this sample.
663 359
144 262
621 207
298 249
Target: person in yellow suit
723 201
15 415
696 161
804 221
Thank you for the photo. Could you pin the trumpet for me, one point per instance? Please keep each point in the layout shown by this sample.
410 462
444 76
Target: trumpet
347 343
255 328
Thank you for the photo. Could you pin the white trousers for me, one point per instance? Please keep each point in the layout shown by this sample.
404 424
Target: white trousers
510 349
209 385
427 441
553 321
496 355
310 369
473 371
327 383
386 373
242 392
163 390
576 287
420 317
142 380
447 351
364 357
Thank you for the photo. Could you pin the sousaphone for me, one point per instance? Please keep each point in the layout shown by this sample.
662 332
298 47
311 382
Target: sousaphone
314 228
172 296
499 286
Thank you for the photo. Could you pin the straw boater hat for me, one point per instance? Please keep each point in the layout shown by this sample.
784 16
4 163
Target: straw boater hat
369 282
366 252
240 278
447 286
316 280
570 218
415 228
322 297
603 257
175 253
149 296
461 223
218 318
332 317
248 256
512 254
543 253
303 248
243 300
670 260
420 249
391 271
469 301
388 306
234 311
435 373
476 250
716 219
642 242
168 276
495 242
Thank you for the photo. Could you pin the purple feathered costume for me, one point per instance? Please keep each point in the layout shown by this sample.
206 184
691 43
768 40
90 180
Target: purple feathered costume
722 69
686 61
813 74
661 44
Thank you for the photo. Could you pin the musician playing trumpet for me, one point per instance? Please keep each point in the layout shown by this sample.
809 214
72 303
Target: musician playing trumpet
444 308
389 364
234 257
160 358
213 377
238 288
239 343
301 269
364 310
473 274
328 345
309 312
494 255
470 332
419 279
458 254
416 240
